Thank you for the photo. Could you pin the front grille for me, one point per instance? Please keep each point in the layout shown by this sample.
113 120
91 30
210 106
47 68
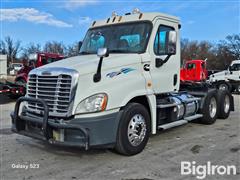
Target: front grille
54 90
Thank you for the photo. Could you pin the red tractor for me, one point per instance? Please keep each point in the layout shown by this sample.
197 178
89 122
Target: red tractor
194 70
35 60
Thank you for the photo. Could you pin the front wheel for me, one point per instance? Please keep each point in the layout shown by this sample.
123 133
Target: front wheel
133 130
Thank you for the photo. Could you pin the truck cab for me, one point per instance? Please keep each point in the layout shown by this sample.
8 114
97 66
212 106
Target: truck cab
228 79
194 70
35 60
123 86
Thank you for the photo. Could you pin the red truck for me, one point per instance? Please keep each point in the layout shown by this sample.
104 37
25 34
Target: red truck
194 70
36 60
17 88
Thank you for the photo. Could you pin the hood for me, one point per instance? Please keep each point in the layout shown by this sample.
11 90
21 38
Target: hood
88 63
221 73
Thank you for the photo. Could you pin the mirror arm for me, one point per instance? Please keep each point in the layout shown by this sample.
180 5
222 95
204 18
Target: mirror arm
160 62
97 75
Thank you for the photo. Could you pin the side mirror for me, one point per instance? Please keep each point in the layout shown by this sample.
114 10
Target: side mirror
102 52
171 42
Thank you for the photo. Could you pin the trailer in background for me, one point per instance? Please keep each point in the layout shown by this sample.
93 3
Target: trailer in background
3 66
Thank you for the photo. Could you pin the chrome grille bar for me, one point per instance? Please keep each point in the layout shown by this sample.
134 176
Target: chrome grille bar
56 89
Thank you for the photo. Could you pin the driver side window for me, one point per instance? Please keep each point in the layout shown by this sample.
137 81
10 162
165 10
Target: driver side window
160 40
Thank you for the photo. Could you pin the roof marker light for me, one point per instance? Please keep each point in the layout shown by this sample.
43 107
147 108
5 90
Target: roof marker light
114 14
136 11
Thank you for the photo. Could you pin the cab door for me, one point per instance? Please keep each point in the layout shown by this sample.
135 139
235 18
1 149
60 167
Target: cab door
165 77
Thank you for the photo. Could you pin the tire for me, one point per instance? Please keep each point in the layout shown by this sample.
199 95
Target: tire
19 82
238 88
224 86
210 109
135 116
224 104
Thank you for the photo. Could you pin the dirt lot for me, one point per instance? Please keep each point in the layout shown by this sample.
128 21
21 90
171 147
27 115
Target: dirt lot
218 143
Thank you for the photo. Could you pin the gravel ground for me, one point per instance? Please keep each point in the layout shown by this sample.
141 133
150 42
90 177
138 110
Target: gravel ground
161 159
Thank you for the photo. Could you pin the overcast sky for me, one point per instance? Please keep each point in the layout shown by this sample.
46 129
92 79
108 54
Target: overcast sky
67 21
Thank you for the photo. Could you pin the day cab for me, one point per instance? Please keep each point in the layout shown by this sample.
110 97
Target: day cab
122 87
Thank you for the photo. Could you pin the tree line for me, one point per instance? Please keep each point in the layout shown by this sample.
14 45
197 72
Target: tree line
218 55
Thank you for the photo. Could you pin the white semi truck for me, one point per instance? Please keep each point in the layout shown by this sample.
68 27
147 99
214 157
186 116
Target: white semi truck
123 86
228 79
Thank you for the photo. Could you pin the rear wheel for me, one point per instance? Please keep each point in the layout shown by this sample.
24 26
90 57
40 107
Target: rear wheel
224 104
133 130
224 86
210 109
238 88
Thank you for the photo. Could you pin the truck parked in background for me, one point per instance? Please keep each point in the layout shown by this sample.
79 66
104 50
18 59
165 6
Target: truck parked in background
228 79
196 71
34 61
3 66
14 68
123 86
18 87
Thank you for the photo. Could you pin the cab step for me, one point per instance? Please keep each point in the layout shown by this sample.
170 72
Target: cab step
172 124
190 118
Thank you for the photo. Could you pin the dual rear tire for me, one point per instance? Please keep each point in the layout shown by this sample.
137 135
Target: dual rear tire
135 126
216 105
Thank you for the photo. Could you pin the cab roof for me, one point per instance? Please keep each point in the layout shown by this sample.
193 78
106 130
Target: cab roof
134 18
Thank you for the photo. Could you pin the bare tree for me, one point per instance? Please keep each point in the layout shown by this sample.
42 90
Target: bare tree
3 49
233 44
55 47
11 48
72 50
195 50
30 49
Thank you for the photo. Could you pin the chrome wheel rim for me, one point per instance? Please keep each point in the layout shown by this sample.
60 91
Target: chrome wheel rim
213 107
226 104
136 130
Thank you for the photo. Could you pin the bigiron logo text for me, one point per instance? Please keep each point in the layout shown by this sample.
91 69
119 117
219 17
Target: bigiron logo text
202 171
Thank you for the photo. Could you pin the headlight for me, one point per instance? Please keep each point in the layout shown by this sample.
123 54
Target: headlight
95 103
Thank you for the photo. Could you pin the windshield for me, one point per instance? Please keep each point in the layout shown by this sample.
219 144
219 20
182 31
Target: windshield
235 67
120 38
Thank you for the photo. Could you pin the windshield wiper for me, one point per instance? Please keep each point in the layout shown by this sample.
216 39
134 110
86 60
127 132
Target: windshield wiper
85 52
118 51
122 51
